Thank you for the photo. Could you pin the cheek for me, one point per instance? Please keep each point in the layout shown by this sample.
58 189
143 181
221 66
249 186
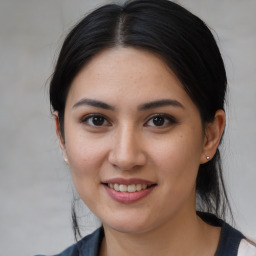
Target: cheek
178 157
85 155
85 162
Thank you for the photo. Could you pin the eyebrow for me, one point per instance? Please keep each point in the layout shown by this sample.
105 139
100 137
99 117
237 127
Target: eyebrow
160 103
145 106
94 103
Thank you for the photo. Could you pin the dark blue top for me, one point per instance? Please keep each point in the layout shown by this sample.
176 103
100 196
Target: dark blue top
228 245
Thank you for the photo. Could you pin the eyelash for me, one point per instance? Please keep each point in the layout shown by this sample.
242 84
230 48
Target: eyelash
101 118
166 118
86 119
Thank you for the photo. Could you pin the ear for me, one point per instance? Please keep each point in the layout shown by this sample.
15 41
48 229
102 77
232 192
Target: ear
213 134
60 136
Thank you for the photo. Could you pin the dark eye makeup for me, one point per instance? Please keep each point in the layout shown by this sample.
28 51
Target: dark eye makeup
96 120
156 120
161 120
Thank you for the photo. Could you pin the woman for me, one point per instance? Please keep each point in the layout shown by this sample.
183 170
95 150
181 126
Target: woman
138 98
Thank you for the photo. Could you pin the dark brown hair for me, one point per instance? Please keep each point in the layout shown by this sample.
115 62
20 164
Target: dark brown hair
182 40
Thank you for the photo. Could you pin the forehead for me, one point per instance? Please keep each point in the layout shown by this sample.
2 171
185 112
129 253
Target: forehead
129 74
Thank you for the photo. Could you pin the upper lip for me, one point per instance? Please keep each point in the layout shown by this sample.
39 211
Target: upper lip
128 181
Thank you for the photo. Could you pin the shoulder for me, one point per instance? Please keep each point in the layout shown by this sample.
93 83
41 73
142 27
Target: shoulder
246 248
89 245
232 242
70 251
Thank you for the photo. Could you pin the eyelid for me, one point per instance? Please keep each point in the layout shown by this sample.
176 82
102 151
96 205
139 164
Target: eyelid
85 119
171 119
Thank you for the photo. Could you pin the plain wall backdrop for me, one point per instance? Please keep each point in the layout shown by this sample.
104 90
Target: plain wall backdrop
35 184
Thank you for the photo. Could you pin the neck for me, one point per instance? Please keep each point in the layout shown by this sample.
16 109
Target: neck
181 236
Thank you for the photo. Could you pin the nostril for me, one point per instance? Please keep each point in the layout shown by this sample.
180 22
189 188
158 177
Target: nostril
126 161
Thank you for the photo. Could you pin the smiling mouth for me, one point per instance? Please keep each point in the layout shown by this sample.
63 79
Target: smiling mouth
128 188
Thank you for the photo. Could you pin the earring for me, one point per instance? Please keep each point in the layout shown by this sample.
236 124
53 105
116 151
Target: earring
65 160
208 158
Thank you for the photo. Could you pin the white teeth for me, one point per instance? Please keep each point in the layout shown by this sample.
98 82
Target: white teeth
138 187
116 187
123 188
127 188
132 188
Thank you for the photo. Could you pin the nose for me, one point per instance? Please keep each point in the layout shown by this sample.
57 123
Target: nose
127 150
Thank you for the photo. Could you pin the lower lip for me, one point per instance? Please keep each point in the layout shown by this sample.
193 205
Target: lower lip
128 197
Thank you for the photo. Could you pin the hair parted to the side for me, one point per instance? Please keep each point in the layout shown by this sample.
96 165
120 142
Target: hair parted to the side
184 43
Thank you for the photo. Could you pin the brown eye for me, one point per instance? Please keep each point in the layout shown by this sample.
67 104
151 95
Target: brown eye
161 120
95 120
158 121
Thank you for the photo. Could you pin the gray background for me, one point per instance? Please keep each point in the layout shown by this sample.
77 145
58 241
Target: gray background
35 184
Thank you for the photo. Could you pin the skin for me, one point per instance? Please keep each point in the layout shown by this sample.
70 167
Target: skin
129 144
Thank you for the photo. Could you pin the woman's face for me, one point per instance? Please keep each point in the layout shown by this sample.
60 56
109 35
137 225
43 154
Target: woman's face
130 126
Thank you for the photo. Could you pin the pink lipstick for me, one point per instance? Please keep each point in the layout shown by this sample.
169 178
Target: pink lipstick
128 190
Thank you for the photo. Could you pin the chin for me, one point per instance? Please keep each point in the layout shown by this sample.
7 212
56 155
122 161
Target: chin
128 229
129 225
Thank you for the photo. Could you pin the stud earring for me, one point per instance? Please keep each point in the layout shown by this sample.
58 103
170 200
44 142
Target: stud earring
208 158
65 160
